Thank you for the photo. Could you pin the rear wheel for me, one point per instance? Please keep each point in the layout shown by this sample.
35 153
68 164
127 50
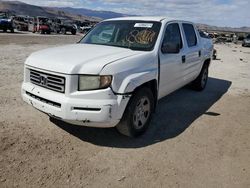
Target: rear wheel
138 113
200 82
73 32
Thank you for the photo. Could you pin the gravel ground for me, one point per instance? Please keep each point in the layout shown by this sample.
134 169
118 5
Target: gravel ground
195 139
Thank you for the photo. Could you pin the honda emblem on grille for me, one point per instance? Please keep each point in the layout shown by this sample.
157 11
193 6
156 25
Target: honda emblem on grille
43 80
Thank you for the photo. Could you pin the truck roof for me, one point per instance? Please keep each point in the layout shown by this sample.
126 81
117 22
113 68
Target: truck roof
148 18
144 18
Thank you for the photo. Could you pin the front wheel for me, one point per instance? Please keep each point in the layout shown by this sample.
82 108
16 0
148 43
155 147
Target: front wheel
64 31
200 82
138 113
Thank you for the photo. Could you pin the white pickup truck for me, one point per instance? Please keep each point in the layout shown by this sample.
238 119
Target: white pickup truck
116 74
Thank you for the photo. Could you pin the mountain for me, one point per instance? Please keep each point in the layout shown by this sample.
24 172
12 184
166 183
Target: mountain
223 29
20 8
93 13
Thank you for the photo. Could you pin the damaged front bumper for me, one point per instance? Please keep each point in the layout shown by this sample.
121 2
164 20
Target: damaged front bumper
80 108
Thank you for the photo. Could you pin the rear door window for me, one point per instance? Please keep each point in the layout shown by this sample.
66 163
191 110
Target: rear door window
190 34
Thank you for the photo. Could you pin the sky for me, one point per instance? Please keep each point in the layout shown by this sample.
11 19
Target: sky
232 13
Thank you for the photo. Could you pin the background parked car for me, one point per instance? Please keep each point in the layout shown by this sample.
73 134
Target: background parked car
21 23
246 41
60 25
6 22
85 29
40 24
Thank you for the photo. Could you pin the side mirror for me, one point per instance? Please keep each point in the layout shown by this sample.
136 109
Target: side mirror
170 48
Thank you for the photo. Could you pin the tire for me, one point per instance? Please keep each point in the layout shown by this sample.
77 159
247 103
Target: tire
64 31
4 30
73 32
138 113
200 82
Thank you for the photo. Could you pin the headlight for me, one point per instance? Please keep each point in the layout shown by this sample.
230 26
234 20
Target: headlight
89 82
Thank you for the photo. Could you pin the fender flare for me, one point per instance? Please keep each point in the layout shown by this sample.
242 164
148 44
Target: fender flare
129 85
135 80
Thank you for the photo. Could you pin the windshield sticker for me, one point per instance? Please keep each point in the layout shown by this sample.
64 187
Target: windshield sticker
144 37
144 25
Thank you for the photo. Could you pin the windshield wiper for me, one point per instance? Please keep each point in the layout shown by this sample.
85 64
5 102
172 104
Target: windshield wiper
138 48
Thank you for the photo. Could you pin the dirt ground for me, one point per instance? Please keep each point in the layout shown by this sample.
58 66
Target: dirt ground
195 139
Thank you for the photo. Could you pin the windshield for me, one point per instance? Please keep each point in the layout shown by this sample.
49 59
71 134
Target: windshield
135 35
43 20
3 16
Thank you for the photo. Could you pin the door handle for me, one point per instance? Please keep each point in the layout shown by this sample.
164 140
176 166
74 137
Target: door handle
183 59
200 53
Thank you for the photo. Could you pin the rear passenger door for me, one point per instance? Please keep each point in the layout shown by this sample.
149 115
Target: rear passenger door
191 65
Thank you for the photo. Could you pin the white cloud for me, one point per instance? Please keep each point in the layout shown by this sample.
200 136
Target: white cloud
217 12
232 13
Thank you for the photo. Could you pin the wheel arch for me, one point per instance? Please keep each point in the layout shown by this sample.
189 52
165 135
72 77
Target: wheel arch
207 62
153 86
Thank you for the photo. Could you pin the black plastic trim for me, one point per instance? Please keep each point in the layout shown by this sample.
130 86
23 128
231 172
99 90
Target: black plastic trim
49 102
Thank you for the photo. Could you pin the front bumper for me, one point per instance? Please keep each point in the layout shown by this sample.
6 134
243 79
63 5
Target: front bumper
92 108
6 25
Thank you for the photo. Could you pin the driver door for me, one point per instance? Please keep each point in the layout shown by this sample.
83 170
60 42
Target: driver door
171 61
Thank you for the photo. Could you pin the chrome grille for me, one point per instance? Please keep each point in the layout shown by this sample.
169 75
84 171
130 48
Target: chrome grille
52 82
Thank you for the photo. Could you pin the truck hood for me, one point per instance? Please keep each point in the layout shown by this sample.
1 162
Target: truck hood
78 58
5 20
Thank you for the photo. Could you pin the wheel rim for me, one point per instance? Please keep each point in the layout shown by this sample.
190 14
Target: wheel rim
141 113
204 78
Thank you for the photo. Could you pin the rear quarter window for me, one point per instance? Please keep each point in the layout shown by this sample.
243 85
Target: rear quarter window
190 34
